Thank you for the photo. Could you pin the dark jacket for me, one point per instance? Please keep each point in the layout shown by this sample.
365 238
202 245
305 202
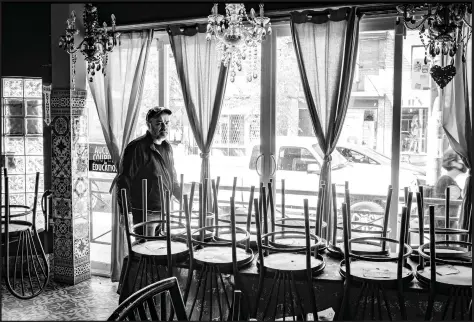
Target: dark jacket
142 159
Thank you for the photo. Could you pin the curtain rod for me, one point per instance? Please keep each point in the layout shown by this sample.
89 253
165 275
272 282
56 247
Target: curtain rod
370 11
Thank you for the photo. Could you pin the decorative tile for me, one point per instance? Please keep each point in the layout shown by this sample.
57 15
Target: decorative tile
80 207
63 228
60 270
81 248
33 87
81 228
17 199
61 146
62 208
60 125
12 87
80 166
79 126
61 167
63 249
15 146
80 187
62 187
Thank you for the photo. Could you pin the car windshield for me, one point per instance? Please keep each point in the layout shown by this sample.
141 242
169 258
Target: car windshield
380 155
337 158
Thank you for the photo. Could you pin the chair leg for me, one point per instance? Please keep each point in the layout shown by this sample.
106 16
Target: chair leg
429 308
401 302
261 280
387 306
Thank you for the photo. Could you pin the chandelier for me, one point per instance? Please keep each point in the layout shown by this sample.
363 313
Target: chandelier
238 38
442 31
95 46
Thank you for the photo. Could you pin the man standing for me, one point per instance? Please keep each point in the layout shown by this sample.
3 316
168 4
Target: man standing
148 157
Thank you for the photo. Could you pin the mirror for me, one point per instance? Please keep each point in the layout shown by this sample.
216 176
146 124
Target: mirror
314 168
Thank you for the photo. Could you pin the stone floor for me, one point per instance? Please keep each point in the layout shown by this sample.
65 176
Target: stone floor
91 300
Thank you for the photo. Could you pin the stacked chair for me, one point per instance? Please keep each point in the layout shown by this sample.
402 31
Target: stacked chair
445 267
374 274
215 258
29 273
162 249
285 265
362 246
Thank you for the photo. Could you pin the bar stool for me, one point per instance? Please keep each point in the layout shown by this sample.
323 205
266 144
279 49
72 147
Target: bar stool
374 273
362 247
215 258
447 273
30 272
287 264
162 249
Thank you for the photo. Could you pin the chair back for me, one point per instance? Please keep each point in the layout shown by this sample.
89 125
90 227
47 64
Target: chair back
400 257
236 306
141 306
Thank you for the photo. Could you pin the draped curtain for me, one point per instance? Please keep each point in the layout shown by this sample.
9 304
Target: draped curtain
203 81
117 98
457 121
326 47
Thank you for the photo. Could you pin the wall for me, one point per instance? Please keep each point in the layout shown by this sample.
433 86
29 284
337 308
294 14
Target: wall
26 40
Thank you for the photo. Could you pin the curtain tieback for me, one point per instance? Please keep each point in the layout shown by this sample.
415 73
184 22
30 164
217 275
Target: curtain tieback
328 158
204 155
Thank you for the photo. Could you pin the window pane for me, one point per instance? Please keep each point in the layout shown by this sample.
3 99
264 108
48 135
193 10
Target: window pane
13 107
13 87
424 145
15 145
14 126
34 108
34 126
33 88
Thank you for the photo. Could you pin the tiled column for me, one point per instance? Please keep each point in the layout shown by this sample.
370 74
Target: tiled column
69 156
70 185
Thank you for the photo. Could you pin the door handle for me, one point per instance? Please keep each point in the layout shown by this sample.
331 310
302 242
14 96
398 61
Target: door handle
274 165
256 164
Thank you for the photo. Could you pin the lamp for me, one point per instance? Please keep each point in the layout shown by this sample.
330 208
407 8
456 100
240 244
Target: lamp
97 42
234 37
442 31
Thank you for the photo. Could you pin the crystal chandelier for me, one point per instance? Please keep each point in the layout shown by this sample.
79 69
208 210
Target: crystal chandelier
95 46
237 38
442 31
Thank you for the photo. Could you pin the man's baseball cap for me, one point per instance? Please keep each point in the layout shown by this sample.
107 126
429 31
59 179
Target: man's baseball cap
156 111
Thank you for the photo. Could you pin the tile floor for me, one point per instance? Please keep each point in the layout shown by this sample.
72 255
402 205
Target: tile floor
91 300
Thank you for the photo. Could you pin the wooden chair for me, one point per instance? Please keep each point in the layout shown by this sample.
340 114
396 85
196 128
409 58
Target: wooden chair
142 305
448 272
374 274
163 249
195 214
286 264
236 305
214 258
295 222
29 274
366 246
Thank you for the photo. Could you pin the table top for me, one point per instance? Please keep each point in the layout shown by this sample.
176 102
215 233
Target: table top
330 274
17 211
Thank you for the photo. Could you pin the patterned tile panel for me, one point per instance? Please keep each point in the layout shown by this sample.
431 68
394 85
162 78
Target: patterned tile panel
63 228
63 251
62 208
62 187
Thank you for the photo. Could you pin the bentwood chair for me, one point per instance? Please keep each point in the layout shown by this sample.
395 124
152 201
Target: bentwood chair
163 249
27 268
448 270
374 274
286 265
143 305
295 222
215 258
360 229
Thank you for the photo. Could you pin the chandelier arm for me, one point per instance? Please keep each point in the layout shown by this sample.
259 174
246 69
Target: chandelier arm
467 23
415 27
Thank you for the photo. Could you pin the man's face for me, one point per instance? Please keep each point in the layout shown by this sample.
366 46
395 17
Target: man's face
158 126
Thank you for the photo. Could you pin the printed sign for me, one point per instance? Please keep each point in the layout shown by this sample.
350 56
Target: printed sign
100 159
420 72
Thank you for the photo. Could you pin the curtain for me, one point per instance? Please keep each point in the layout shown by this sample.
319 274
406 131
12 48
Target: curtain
326 47
203 81
457 120
117 98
